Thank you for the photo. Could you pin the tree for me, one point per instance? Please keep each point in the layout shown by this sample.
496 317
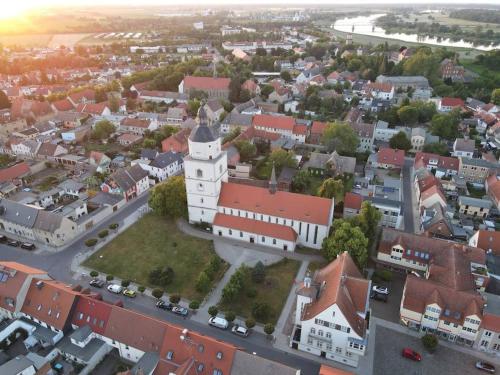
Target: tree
161 276
100 95
193 106
281 158
202 282
131 104
230 316
400 141
341 137
235 89
149 143
495 97
430 342
169 198
91 242
261 311
213 311
368 219
269 328
125 283
346 237
331 188
109 277
141 288
114 103
4 100
94 273
103 129
436 148
285 74
246 149
408 115
157 293
301 181
445 125
175 298
194 305
259 272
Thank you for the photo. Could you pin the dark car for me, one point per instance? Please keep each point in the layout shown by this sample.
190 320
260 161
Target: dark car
164 305
28 246
485 366
180 311
378 297
3 238
98 283
411 354
14 243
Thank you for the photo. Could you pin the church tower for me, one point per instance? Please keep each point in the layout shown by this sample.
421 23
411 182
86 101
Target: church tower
205 169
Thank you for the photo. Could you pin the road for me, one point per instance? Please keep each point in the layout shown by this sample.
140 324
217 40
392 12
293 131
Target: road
58 265
408 198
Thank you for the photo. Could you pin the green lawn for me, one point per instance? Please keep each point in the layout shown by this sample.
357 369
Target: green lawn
273 291
152 242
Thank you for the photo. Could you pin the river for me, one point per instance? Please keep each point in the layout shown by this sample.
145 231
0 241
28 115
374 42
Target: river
365 25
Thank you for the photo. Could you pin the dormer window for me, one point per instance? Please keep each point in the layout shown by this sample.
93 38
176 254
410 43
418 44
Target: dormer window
219 355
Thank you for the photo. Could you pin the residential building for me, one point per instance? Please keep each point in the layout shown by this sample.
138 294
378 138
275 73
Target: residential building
317 130
286 126
365 134
214 87
476 170
176 116
331 317
441 166
128 139
449 70
486 240
162 96
449 104
177 142
377 90
388 158
405 82
488 337
99 160
352 204
137 126
163 165
235 120
492 186
463 147
474 206
214 110
128 182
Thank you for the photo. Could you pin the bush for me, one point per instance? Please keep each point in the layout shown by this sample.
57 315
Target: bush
109 277
430 342
161 276
230 316
113 226
94 273
261 311
103 233
157 293
251 293
269 328
250 323
213 311
91 242
141 288
175 298
125 283
194 305
202 284
259 272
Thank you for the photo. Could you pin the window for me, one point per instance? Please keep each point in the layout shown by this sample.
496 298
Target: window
309 341
320 333
263 239
328 335
230 232
274 241
241 234
170 355
487 333
319 344
217 372
199 173
313 331
201 366
201 348
219 355
338 350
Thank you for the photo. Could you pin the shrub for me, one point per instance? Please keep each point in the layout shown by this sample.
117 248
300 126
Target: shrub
230 316
161 276
261 311
251 293
259 272
141 288
109 277
113 226
269 328
157 293
213 311
103 233
175 298
194 305
91 242
125 283
430 342
94 273
202 284
250 323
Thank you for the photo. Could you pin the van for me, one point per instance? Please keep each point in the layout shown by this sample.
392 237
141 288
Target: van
218 322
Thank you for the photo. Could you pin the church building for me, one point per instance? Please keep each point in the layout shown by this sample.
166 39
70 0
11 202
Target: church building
252 214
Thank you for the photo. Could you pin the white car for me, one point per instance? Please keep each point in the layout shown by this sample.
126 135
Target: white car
239 330
380 289
115 288
218 322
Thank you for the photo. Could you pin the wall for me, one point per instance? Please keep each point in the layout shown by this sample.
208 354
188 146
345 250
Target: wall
245 236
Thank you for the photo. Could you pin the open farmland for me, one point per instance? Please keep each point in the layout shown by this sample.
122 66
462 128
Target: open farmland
67 40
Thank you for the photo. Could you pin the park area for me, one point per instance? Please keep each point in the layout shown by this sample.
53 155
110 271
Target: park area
261 295
155 243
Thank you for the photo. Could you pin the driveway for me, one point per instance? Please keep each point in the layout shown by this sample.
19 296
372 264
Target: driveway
390 310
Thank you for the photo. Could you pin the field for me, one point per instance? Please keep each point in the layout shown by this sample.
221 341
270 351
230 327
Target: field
33 40
273 291
67 40
156 242
446 20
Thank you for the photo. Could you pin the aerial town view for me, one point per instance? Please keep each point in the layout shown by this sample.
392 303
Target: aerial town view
220 187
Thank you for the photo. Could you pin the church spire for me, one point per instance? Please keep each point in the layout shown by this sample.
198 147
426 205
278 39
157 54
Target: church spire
273 185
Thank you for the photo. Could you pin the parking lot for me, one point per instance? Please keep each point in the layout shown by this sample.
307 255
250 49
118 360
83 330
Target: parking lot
388 359
390 310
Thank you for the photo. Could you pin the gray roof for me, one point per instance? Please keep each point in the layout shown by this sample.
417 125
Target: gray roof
81 333
174 112
48 221
103 198
165 159
43 333
419 81
85 353
235 118
437 215
18 213
127 178
462 144
248 364
148 153
287 174
478 162
317 160
475 202
202 133
146 364
71 185
376 201
15 365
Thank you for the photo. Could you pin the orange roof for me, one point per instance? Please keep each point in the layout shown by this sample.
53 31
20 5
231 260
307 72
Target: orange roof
63 105
206 83
379 86
16 171
452 102
93 109
391 156
318 127
255 226
491 322
327 370
493 185
88 94
282 204
135 122
489 240
353 200
274 122
300 129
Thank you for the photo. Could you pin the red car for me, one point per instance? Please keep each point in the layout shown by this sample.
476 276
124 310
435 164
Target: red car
411 354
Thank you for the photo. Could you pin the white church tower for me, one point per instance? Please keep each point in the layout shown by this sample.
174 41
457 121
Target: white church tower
205 169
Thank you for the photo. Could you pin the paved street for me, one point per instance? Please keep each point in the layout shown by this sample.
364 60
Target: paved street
409 208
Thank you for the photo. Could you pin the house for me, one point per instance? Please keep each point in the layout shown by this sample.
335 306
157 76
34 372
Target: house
28 148
464 147
49 151
166 97
129 182
177 142
63 105
388 158
176 115
418 138
435 223
492 186
476 170
429 196
82 97
488 337
365 134
163 165
15 173
97 109
377 90
317 130
138 126
286 126
31 110
99 160
331 316
280 95
352 204
252 87
127 139
474 206
235 120
213 87
405 82
441 166
448 104
214 111
449 70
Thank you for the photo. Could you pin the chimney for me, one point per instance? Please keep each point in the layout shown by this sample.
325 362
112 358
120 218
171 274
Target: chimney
273 185
307 280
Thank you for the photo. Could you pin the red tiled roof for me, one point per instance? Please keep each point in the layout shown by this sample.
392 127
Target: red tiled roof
16 171
318 127
282 204
352 200
489 240
255 226
326 370
88 94
379 86
493 187
206 83
274 122
491 322
391 156
452 102
300 129
63 105
445 162
91 108
135 122
92 312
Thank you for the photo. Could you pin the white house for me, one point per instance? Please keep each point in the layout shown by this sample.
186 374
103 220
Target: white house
163 166
463 147
331 317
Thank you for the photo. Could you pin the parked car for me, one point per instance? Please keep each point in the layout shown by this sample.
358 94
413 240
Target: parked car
378 297
129 293
485 366
115 288
239 330
164 305
180 310
28 246
98 283
218 322
3 238
14 243
411 354
380 289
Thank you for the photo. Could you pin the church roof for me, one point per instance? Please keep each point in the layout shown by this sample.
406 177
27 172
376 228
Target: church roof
202 132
